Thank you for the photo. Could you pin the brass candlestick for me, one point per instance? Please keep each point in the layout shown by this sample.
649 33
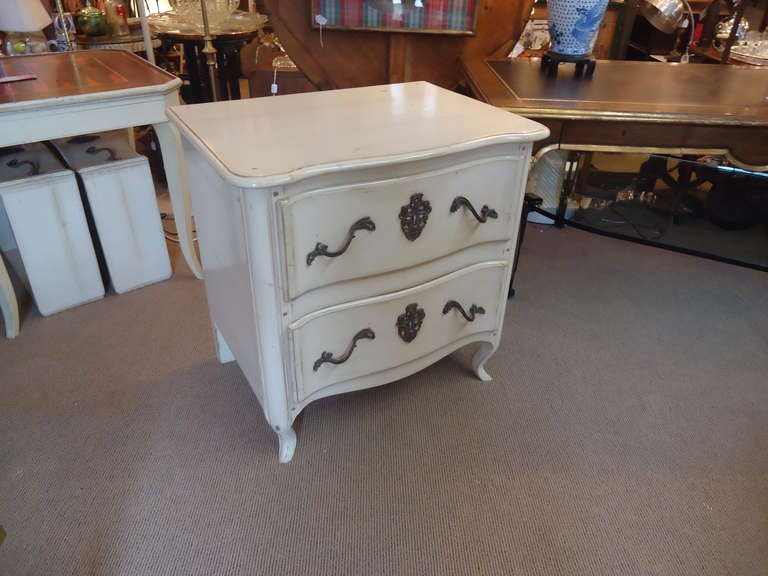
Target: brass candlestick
65 28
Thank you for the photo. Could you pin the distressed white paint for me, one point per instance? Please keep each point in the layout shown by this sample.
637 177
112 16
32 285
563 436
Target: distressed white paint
48 222
271 177
122 198
60 117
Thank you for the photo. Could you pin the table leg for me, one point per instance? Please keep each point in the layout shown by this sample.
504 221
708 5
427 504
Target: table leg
8 304
176 174
231 70
197 91
222 77
530 203
131 133
683 184
569 185
584 171
233 75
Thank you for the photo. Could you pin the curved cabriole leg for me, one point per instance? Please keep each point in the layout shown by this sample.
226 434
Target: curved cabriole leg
178 190
8 304
485 351
287 440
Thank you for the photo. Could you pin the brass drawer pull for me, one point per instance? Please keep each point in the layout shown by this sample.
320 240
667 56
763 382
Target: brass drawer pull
485 211
473 310
322 249
110 153
16 163
365 333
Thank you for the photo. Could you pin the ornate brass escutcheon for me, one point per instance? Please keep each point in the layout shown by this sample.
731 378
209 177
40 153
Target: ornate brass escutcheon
410 321
414 216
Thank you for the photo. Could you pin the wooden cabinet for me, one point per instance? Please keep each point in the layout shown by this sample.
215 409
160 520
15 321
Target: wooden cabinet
350 238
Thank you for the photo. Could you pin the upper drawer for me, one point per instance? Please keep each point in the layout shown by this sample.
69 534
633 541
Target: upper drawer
341 233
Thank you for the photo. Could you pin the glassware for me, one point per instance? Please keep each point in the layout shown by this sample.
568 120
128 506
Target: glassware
191 11
723 32
64 27
183 20
17 43
117 17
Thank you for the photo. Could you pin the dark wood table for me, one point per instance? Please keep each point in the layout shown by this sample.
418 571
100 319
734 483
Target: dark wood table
228 46
651 107
684 110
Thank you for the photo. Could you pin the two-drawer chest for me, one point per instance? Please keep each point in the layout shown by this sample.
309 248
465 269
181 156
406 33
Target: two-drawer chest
352 237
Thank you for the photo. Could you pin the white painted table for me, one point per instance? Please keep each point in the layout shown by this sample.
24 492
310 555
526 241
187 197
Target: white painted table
350 238
92 91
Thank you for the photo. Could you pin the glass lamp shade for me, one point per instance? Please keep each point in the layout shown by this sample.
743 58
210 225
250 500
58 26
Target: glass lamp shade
23 16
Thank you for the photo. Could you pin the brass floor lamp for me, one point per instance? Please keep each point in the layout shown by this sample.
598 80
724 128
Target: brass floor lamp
210 53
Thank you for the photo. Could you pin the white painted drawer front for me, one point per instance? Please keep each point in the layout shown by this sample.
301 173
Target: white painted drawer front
386 210
375 323
122 199
49 226
120 191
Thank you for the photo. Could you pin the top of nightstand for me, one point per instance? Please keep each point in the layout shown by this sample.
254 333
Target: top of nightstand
275 140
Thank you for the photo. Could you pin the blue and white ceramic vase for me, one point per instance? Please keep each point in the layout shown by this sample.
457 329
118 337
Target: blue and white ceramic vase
573 25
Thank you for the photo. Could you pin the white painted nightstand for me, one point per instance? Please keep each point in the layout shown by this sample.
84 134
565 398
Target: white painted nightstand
350 238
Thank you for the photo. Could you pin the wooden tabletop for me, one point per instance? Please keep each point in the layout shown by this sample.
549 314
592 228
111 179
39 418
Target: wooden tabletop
68 74
708 94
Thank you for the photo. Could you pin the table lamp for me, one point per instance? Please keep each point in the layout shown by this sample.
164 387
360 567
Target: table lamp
667 16
19 18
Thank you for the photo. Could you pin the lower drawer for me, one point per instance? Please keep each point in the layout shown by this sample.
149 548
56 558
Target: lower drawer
368 336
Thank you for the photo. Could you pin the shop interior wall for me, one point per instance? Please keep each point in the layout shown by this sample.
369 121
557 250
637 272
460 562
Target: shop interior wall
354 58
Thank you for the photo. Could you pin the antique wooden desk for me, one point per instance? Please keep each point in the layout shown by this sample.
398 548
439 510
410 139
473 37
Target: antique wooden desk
81 92
639 107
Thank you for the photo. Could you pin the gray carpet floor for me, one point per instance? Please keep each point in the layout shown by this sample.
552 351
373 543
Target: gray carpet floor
625 432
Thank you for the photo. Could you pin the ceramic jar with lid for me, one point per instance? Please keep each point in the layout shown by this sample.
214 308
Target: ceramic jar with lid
574 24
91 21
